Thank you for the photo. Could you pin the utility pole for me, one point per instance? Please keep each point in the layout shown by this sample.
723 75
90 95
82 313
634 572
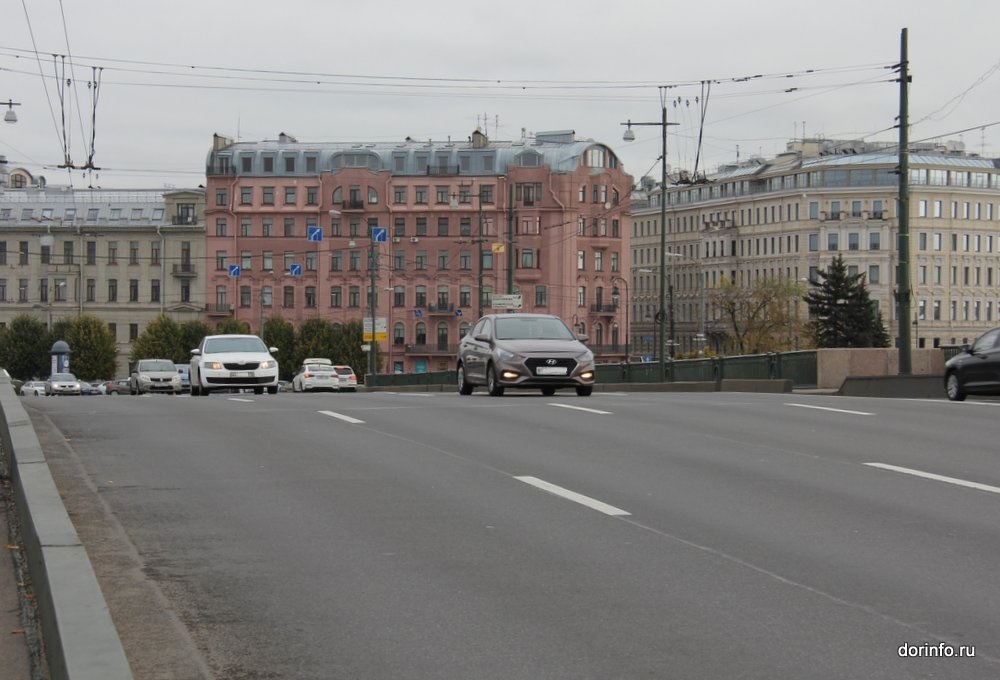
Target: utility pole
510 239
903 294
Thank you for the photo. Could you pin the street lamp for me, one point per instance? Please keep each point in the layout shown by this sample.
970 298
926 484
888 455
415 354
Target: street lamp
628 137
11 116
614 299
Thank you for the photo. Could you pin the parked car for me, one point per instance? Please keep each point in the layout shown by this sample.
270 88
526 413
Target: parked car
33 388
347 379
154 375
524 351
975 370
90 388
223 362
120 386
315 376
62 383
184 371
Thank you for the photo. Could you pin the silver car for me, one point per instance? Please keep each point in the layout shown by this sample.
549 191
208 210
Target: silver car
62 383
524 351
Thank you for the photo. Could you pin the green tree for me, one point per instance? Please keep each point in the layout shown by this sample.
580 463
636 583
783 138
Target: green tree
842 311
315 338
24 348
94 353
191 334
762 317
233 326
347 348
281 334
161 339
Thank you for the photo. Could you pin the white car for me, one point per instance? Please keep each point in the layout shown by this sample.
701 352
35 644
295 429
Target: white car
33 388
315 376
347 380
223 362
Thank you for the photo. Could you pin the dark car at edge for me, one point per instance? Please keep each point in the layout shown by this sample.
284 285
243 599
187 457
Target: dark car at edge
976 369
524 351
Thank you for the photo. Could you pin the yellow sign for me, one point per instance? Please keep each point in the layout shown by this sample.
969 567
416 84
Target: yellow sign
380 336
498 247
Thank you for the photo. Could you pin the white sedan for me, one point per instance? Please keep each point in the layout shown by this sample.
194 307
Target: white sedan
33 388
315 377
223 362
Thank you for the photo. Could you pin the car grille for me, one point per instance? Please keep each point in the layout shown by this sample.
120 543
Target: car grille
534 362
242 365
264 380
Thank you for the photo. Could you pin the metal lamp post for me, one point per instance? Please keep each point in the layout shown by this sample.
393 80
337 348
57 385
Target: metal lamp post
660 314
614 298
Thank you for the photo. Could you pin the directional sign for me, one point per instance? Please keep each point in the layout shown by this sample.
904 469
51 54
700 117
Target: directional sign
295 269
380 234
314 234
381 331
234 270
507 301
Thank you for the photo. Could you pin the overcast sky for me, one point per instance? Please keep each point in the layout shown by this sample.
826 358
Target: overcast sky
176 72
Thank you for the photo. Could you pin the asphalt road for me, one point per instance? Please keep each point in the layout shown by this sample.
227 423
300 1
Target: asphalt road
652 535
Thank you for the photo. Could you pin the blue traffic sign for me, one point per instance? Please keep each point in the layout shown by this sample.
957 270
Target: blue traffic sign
380 234
234 270
314 234
295 269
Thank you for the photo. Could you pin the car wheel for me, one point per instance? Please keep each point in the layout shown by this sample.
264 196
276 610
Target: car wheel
258 390
492 383
194 389
548 391
464 388
584 390
272 389
954 388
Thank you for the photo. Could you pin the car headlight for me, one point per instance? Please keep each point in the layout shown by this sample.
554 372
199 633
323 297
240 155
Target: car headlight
586 357
270 363
213 365
505 355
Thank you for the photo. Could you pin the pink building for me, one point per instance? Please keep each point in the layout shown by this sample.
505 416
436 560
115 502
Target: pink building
545 217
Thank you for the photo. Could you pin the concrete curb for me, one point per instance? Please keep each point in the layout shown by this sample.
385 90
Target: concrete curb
80 639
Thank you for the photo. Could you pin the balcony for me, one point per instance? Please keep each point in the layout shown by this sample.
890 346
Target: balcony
441 310
603 308
219 310
352 204
184 271
438 349
183 219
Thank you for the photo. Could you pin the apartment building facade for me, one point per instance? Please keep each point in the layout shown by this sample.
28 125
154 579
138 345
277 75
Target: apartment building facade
787 217
290 230
125 256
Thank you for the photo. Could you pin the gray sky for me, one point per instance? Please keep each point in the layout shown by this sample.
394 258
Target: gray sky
380 70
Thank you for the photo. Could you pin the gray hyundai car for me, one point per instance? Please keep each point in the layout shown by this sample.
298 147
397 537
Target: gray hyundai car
524 351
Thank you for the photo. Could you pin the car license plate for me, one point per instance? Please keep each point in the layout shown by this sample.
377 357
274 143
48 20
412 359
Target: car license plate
241 374
550 370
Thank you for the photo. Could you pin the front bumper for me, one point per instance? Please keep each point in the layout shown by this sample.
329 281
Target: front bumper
261 377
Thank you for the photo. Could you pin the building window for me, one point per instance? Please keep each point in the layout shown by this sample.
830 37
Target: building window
420 195
220 260
91 290
133 332
133 290
581 260
133 252
288 297
336 296
112 290
154 290
311 297
246 195
220 226
832 241
354 297
289 195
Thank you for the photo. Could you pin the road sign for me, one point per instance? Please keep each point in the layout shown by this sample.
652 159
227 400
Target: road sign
295 269
380 329
314 234
234 270
507 301
380 234
498 247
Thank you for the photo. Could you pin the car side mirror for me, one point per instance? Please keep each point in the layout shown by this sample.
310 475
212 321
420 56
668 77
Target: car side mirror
582 337
272 350
195 352
482 337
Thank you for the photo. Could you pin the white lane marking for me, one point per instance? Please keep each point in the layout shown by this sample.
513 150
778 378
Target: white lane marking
835 410
245 401
573 496
581 408
938 478
341 416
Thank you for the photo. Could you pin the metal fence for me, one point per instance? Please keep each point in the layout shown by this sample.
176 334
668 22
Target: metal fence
799 367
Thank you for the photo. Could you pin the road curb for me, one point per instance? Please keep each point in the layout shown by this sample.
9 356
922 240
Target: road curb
80 638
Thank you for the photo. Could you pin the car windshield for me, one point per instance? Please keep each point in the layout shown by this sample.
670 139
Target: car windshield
532 328
63 377
156 366
346 370
241 344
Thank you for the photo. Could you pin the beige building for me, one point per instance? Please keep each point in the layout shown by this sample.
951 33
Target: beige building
125 256
788 216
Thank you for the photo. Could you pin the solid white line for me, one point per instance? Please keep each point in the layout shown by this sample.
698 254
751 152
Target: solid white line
581 408
835 410
245 401
938 478
573 496
341 416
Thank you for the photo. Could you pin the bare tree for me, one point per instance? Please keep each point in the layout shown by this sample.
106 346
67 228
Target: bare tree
759 318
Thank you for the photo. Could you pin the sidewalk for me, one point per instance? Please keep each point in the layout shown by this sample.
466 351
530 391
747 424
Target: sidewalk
16 637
